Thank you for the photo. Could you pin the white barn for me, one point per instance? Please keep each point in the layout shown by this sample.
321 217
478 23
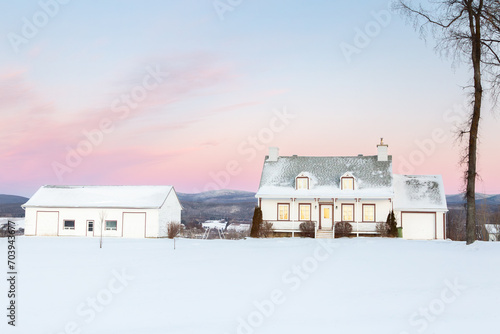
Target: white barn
125 211
360 190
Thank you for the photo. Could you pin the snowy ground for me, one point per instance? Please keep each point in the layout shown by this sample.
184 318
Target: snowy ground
372 285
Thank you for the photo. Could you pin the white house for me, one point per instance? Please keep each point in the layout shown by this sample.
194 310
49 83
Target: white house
124 211
361 190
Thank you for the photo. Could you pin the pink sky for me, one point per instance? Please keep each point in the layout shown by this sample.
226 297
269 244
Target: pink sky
208 116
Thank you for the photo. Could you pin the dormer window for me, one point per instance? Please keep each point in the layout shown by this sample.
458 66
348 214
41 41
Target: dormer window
347 182
302 182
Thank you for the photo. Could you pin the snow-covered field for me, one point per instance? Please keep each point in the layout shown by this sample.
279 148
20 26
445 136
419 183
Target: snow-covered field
372 285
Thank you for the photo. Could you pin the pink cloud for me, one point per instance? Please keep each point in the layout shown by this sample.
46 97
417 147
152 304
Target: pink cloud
34 134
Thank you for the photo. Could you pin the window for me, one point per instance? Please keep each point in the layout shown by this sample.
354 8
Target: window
69 224
111 225
283 211
302 183
368 212
347 212
90 226
326 213
305 211
347 183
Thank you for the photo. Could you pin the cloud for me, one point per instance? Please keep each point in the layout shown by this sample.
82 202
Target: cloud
33 133
233 107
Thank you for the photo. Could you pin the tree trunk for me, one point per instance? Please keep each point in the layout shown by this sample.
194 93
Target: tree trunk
475 26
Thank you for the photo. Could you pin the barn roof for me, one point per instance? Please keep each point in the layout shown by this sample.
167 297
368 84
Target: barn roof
373 177
419 192
133 197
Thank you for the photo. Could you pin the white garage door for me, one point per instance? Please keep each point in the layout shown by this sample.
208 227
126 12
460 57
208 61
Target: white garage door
419 225
46 222
134 225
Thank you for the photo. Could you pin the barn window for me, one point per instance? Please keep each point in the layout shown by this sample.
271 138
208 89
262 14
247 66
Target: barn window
347 183
305 211
368 212
283 211
69 224
302 182
111 225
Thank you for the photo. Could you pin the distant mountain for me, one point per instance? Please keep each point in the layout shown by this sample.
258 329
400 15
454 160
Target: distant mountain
10 199
219 196
229 204
459 199
10 205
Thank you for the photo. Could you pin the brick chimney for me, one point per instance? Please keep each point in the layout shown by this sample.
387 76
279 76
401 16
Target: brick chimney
274 153
382 151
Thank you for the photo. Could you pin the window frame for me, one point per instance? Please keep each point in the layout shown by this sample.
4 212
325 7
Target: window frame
69 228
342 182
111 229
89 222
287 212
374 213
310 213
297 182
353 212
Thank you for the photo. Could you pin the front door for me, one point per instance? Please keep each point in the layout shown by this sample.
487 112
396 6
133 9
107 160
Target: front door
90 228
326 216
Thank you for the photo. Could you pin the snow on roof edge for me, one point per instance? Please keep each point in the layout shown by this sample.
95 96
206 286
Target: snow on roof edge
97 196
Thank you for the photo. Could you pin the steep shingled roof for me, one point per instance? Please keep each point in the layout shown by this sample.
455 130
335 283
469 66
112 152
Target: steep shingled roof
373 177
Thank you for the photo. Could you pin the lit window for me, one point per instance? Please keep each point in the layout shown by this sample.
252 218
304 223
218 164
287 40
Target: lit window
283 210
347 183
369 212
69 224
305 211
326 213
302 183
111 225
347 212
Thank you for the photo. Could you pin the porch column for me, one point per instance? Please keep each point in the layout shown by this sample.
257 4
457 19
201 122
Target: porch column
356 214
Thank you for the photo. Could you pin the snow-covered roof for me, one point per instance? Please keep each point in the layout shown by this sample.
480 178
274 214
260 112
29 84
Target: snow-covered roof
134 197
215 224
373 178
419 192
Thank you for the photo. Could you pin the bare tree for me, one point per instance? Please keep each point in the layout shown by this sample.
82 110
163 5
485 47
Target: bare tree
483 218
456 224
469 30
173 229
102 221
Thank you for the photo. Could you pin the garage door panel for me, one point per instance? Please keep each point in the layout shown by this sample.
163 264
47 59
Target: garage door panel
134 224
419 225
47 223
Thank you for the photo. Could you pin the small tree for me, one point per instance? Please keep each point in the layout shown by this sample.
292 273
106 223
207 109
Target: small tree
342 229
307 229
392 225
256 223
102 221
173 229
382 229
266 230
